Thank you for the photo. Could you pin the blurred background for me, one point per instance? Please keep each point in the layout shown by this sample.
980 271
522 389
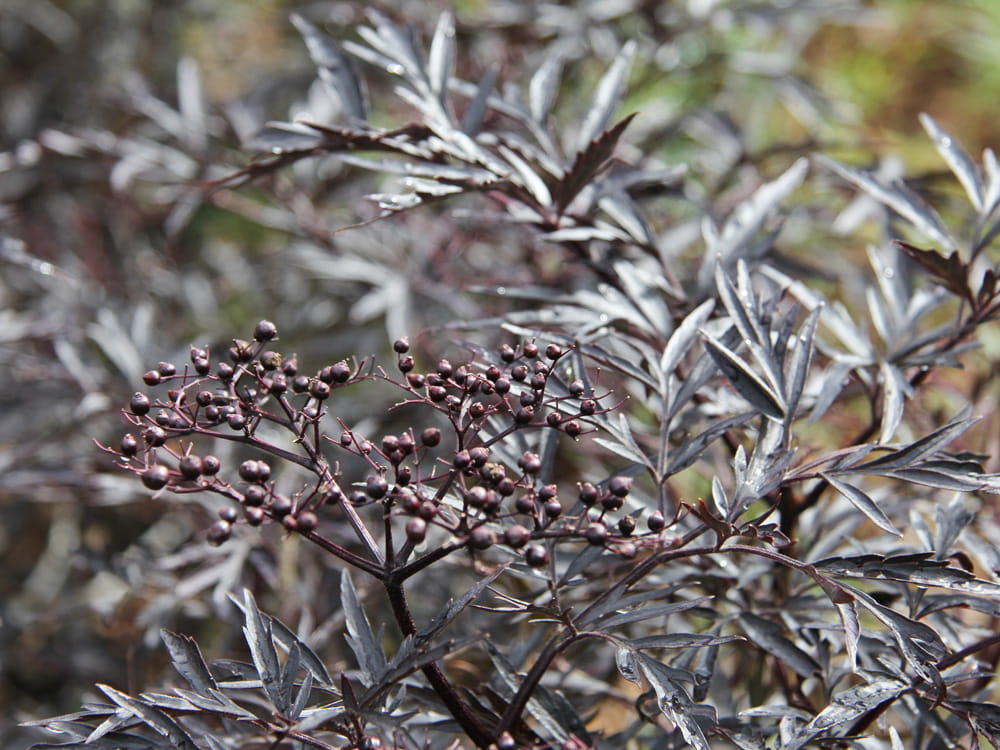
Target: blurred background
114 256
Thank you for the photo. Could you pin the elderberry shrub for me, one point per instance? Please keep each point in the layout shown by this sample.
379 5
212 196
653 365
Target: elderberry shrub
678 497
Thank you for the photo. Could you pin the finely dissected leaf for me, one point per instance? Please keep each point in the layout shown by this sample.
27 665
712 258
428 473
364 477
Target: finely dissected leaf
543 87
366 646
748 219
703 371
548 723
692 448
535 184
628 666
588 163
334 68
864 503
153 718
899 198
798 368
744 380
958 161
951 272
673 701
188 661
770 637
301 698
608 94
454 607
647 613
848 612
850 704
682 640
684 336
472 120
910 454
620 207
441 60
289 671
265 656
919 569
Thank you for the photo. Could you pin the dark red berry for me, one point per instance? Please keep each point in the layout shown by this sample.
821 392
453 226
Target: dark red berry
528 398
341 372
155 477
265 330
553 351
477 410
481 538
588 407
516 536
255 516
290 367
307 521
235 421
444 368
191 467
416 530
401 345
319 390
462 460
493 373
270 360
415 379
290 522
476 497
202 366
197 353
228 513
431 436
626 525
154 436
502 386
530 463
129 445
547 492
405 364
139 403
506 487
427 510
524 504
524 415
300 384
536 555
552 507
162 418
152 378
240 352
210 465
612 502
204 398
576 388
437 393
573 428
507 353
530 350
589 494
519 373
479 455
219 532
553 419
225 371
281 505
597 533
655 521
249 470
255 495
620 486
376 486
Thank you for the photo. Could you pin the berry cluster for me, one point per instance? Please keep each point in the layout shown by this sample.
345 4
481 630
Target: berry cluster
454 478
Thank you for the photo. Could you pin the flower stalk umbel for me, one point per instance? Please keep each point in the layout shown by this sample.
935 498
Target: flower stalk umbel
426 493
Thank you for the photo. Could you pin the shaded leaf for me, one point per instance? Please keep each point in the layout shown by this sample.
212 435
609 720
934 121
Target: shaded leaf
188 661
864 503
958 160
771 638
366 646
744 380
606 98
950 272
265 656
334 68
588 162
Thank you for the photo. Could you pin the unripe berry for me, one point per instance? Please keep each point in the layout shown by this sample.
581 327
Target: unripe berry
536 555
281 505
655 521
154 436
265 330
254 495
129 445
319 390
155 477
620 486
139 403
530 463
376 486
307 521
597 533
516 536
219 532
416 530
481 538
191 467
341 372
